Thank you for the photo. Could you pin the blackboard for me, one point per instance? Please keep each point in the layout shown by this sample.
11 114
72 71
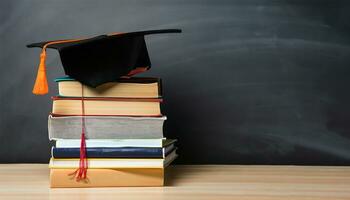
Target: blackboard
247 82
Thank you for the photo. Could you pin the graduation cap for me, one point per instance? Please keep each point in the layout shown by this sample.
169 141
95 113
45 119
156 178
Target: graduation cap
97 60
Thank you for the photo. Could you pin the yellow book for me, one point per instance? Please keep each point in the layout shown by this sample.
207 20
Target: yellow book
106 106
108 178
134 87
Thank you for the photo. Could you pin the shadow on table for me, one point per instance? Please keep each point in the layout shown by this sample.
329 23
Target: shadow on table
176 174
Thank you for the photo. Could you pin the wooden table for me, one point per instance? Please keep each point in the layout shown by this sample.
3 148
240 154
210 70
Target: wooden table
30 181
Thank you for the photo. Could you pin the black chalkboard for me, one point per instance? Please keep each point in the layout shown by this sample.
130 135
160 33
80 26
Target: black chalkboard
247 82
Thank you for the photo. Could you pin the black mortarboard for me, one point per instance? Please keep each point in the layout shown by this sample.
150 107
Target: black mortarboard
97 60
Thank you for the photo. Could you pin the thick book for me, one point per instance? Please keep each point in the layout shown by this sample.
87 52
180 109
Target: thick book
106 127
134 87
63 106
113 163
105 152
114 143
63 178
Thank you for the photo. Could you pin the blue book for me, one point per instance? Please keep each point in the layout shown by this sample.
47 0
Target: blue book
114 152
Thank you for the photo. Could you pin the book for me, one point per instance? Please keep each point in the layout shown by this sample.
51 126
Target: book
114 163
112 152
106 106
106 127
134 87
60 178
95 143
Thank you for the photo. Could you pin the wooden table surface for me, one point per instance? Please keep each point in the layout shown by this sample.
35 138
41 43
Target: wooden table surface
30 181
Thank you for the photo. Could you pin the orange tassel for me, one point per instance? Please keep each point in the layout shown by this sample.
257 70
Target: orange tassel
41 87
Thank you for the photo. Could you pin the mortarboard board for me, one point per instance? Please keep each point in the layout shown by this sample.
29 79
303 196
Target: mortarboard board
97 60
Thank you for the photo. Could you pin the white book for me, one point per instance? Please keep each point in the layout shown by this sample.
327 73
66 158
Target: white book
75 143
113 163
106 127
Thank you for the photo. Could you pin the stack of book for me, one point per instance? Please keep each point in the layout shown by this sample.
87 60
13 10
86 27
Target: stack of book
124 142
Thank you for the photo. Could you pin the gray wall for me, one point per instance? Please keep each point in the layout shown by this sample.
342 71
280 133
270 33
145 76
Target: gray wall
247 82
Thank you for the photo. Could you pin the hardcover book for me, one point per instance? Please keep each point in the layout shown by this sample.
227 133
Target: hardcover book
113 143
106 127
109 177
113 163
110 152
134 87
106 106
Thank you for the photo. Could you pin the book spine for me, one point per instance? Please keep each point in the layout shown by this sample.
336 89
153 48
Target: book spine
126 152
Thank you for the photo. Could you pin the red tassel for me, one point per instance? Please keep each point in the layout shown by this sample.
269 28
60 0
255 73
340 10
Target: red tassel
81 172
83 159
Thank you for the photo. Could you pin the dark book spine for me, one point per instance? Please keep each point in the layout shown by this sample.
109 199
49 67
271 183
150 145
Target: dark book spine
125 152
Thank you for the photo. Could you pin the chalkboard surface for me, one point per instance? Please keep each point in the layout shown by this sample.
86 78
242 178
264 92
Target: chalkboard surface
247 82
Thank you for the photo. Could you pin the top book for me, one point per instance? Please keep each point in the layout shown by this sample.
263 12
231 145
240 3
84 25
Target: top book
135 87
